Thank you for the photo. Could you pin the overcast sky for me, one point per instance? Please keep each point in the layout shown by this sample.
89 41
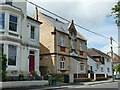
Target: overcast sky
91 14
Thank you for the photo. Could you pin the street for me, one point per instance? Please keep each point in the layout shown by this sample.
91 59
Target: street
104 86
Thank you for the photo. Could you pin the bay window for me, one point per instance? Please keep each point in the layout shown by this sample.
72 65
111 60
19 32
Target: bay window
13 23
2 20
12 52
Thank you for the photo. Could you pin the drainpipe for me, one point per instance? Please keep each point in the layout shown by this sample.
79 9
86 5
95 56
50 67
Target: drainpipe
56 49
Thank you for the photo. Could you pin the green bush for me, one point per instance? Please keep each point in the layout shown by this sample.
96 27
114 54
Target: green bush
3 66
57 77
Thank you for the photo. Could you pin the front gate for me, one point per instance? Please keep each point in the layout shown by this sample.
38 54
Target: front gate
66 78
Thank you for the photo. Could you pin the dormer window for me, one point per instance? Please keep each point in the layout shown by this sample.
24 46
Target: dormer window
8 2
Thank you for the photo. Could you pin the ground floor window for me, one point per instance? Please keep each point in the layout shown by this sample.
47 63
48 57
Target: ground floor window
1 48
12 54
62 63
108 69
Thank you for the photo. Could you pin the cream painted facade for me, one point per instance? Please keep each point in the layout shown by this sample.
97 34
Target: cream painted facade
60 50
16 42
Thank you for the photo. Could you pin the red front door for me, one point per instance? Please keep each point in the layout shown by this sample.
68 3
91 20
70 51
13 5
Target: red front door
31 63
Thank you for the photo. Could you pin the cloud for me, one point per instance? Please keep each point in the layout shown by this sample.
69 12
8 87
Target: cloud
91 14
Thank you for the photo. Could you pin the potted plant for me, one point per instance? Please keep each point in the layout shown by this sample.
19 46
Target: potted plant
21 76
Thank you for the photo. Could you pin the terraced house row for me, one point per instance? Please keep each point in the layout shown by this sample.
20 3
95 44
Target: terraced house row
44 45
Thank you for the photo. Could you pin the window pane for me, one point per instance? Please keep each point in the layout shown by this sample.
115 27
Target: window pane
32 32
13 26
2 19
13 23
13 18
12 51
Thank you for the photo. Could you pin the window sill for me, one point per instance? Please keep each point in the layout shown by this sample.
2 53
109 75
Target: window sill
32 40
13 32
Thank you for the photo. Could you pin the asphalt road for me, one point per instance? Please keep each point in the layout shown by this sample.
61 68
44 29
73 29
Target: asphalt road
104 86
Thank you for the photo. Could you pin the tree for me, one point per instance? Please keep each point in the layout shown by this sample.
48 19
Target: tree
3 66
117 68
116 11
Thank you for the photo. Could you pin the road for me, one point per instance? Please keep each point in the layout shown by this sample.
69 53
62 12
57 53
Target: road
104 86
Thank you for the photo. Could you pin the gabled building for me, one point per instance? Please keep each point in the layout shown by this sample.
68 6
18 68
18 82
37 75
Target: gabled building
99 62
116 61
63 48
19 38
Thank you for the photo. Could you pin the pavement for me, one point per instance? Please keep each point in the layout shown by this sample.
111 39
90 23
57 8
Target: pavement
65 85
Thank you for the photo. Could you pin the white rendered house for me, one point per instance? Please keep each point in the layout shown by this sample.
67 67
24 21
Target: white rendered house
19 38
99 63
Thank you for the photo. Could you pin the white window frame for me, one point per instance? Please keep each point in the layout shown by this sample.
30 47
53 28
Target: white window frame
31 31
3 20
15 56
13 23
62 63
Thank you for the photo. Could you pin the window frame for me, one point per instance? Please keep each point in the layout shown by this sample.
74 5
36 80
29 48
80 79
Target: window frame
15 56
31 32
108 69
14 23
62 64
82 67
62 41
2 20
81 46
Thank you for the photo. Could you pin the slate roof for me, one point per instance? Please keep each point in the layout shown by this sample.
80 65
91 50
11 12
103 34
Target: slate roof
61 26
95 52
116 58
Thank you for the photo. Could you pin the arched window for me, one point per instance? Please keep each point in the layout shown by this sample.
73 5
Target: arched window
62 63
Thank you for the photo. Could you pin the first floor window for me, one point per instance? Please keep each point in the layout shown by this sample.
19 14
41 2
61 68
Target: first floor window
72 44
62 63
97 65
2 20
13 23
32 32
82 67
12 52
62 41
81 47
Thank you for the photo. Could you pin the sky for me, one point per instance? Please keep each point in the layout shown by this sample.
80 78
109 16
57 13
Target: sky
94 15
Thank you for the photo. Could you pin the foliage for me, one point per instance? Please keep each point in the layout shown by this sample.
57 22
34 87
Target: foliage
3 66
34 73
117 68
116 11
57 77
21 76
